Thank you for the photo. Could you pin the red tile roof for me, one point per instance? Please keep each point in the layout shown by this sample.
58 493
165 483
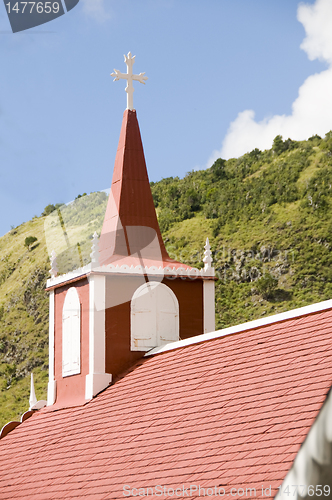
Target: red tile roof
231 412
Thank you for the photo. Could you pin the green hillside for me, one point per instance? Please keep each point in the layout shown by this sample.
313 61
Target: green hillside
267 215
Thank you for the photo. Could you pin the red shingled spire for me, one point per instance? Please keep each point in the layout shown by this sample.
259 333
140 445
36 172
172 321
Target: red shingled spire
130 226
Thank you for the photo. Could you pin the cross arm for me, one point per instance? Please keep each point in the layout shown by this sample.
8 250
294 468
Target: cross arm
118 75
140 78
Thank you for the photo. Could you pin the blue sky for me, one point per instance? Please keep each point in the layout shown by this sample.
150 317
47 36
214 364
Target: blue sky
224 77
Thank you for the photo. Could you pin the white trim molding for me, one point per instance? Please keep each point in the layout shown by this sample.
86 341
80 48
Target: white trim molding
51 389
97 379
72 275
209 306
189 272
269 320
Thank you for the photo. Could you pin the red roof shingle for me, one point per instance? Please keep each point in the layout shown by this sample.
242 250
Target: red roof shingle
230 412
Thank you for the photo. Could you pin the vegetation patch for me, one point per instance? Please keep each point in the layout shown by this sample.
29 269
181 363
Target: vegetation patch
267 215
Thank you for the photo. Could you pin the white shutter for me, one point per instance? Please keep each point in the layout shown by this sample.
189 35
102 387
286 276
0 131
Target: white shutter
167 316
154 317
143 318
71 334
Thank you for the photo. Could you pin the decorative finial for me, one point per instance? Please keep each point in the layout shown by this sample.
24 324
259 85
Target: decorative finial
129 60
32 399
54 268
207 256
95 250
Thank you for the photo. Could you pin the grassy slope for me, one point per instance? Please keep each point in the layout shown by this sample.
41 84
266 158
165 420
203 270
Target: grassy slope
24 318
277 232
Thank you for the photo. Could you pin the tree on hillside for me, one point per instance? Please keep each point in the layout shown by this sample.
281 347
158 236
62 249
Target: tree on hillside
218 169
29 240
279 146
50 208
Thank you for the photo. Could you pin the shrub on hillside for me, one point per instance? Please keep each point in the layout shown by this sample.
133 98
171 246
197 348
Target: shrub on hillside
50 208
29 240
266 285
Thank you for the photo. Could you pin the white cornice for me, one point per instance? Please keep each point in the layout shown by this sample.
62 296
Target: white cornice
190 272
269 320
72 275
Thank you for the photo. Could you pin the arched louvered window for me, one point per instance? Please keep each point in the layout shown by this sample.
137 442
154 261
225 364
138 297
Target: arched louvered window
154 316
71 334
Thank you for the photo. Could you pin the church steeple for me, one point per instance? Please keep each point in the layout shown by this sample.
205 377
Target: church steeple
130 223
130 226
130 233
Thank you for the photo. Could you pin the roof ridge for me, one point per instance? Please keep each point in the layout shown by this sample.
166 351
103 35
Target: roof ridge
250 325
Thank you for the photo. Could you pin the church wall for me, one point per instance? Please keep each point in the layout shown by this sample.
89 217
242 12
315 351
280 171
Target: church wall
189 293
71 389
119 291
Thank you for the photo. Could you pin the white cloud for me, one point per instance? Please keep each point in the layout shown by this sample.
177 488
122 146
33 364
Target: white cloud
316 20
96 9
311 111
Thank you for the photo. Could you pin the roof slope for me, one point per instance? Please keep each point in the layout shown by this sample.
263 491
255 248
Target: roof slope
231 412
